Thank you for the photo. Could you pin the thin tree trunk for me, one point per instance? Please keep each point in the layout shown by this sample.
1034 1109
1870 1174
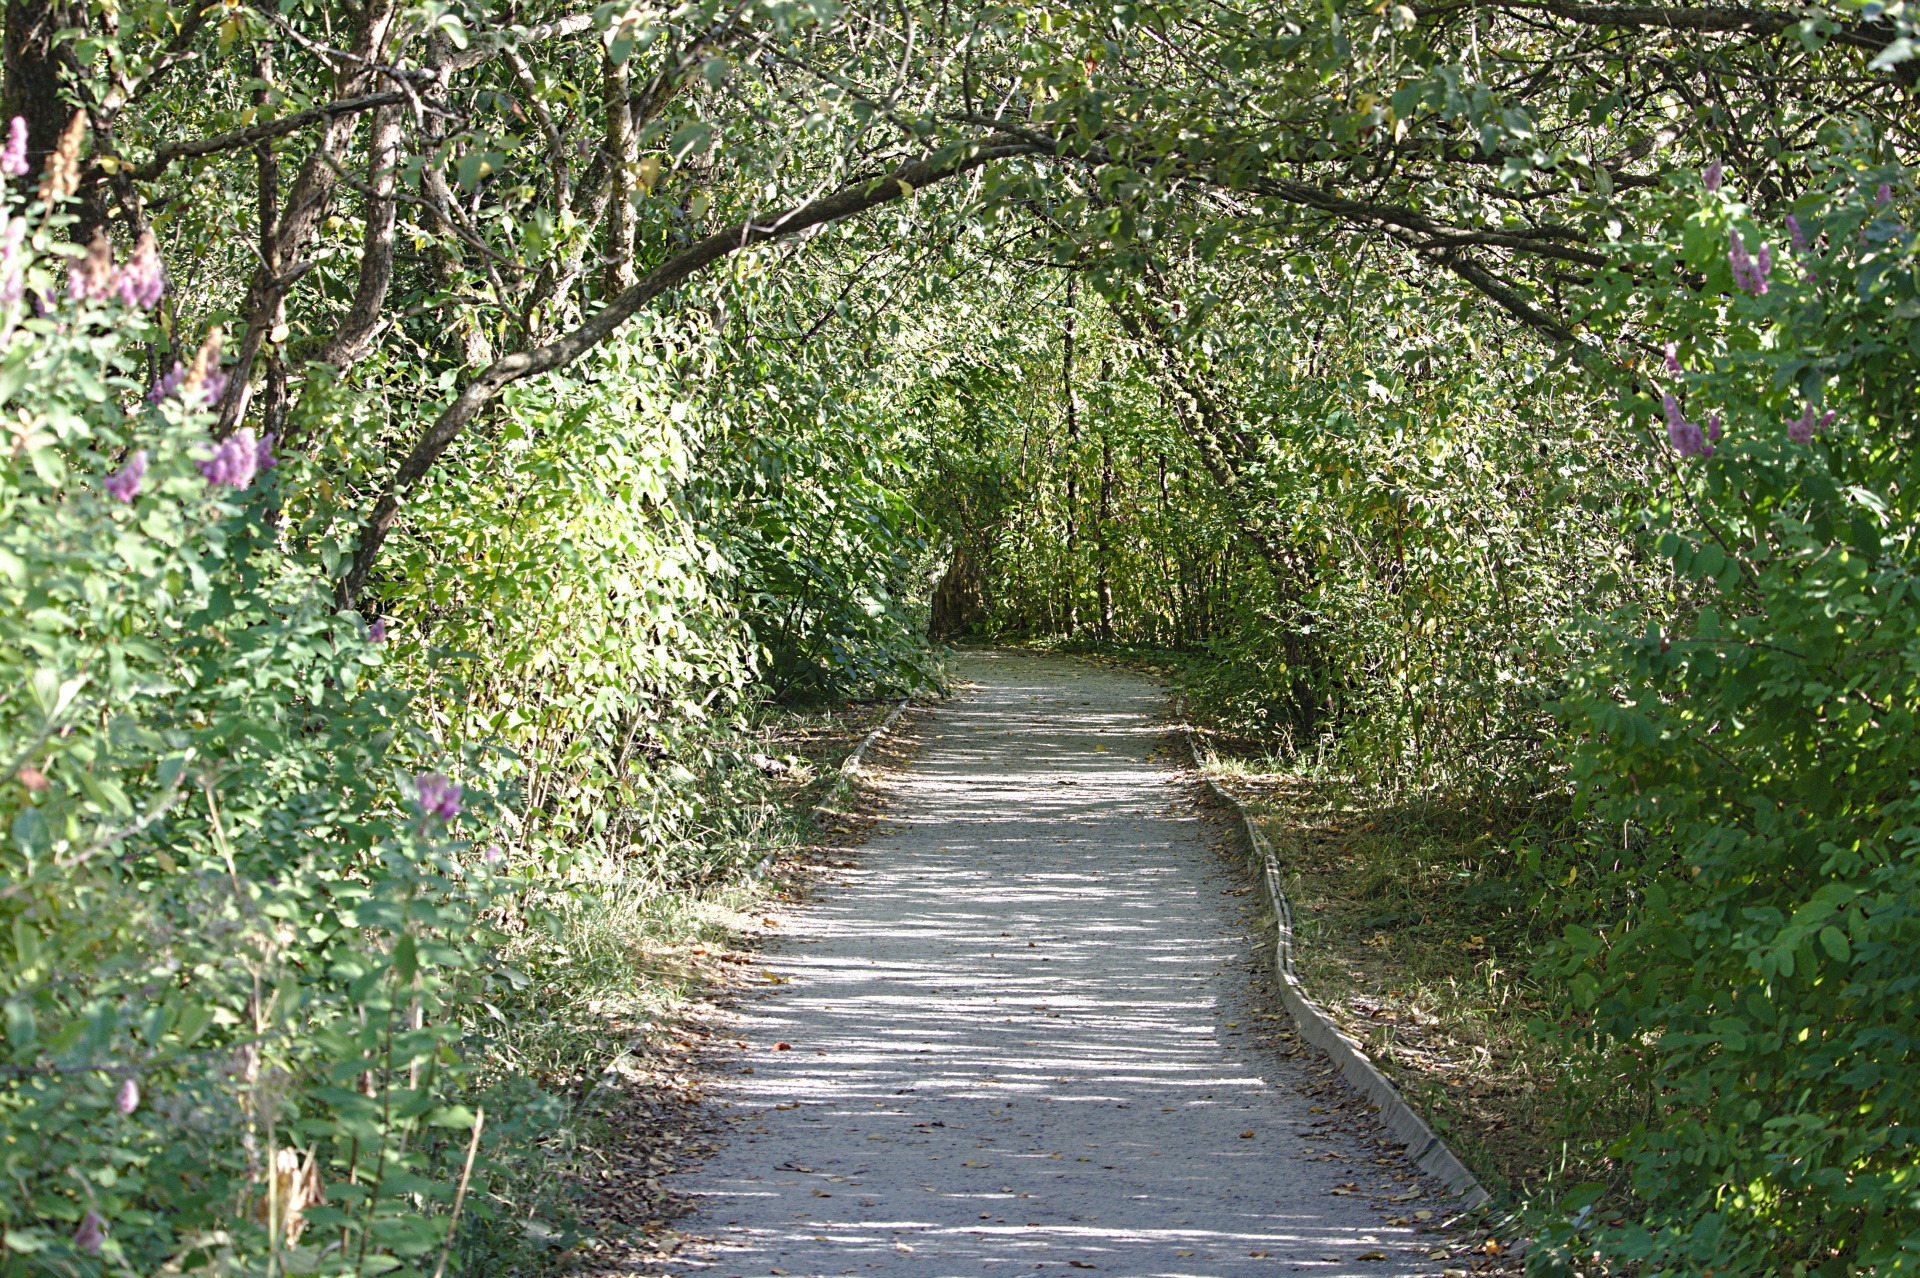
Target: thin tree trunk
623 159
1073 462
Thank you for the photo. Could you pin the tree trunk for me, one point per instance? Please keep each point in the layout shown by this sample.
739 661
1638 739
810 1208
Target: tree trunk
960 598
31 88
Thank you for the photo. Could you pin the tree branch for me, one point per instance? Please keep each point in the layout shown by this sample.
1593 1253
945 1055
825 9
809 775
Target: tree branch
851 199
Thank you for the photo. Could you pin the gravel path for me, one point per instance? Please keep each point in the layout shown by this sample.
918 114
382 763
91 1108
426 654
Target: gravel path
1024 1034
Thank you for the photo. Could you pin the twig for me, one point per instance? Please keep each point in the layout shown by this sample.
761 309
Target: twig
460 1194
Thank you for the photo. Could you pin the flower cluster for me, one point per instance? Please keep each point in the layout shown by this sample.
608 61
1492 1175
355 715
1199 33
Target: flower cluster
13 158
438 796
124 483
238 458
138 282
377 632
13 267
1711 178
1799 236
1672 352
1802 429
1749 273
201 384
1687 438
91 1236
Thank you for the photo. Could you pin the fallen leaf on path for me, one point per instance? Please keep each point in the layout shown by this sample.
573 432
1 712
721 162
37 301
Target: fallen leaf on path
783 1047
976 1164
1258 1255
821 1193
1246 1135
1491 1247
1081 1264
1372 1255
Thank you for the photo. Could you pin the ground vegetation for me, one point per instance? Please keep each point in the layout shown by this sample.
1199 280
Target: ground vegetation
438 434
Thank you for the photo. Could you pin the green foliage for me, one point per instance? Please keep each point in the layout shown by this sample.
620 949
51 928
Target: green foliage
236 944
1763 748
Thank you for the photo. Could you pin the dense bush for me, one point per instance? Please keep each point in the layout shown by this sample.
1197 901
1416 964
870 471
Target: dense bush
1762 746
246 941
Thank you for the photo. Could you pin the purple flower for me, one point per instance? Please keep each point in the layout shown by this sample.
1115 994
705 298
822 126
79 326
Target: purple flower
128 1098
142 280
13 159
1673 357
124 483
1713 428
92 1234
92 275
168 384
494 854
234 462
1748 274
377 632
13 277
1711 178
1802 429
1883 196
1686 438
1799 236
438 796
263 458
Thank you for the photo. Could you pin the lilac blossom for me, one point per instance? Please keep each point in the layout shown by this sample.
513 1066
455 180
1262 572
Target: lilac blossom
377 632
1713 428
1686 437
124 483
1711 178
168 384
13 276
1803 428
127 1099
92 1234
13 158
1883 196
1672 351
92 276
199 385
437 795
1747 273
1799 236
142 280
235 460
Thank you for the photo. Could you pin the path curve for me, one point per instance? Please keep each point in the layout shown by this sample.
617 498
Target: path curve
1023 1033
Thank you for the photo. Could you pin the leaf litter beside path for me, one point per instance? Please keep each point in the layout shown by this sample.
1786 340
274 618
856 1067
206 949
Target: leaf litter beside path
1424 956
643 1115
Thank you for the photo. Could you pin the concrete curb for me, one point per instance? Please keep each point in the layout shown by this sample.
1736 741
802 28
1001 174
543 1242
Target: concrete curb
850 765
1427 1150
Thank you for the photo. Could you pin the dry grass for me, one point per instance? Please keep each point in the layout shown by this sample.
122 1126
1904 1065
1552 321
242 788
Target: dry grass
1412 936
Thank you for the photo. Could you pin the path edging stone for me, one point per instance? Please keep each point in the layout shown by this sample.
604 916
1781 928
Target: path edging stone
1427 1150
850 766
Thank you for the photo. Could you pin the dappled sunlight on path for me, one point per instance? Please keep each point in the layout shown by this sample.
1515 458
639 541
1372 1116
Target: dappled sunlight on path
1014 1036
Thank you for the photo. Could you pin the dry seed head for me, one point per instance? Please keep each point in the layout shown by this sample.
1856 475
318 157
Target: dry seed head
62 177
205 362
